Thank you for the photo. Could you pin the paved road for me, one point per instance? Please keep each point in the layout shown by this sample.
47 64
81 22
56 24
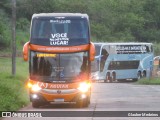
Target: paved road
113 97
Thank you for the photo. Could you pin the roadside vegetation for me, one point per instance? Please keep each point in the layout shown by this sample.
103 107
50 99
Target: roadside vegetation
152 81
13 91
111 21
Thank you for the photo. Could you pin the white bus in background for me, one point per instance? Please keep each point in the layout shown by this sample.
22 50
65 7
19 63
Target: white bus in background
122 61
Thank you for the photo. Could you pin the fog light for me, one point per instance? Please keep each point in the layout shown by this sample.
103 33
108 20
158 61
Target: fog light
83 96
35 96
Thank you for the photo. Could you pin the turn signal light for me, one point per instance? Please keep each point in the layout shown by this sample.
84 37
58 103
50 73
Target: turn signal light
33 87
29 85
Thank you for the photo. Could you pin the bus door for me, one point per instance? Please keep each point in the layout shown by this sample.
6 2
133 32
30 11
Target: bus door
95 68
104 55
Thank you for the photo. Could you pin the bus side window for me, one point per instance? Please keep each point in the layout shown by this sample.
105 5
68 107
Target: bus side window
37 31
147 49
151 48
104 57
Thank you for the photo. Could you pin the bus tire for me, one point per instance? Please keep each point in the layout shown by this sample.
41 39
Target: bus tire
82 103
36 104
144 74
139 76
108 78
113 76
134 80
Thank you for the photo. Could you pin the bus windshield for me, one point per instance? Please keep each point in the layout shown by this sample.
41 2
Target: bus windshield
59 31
58 67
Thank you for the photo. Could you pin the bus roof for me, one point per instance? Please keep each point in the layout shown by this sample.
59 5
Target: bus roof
60 15
122 43
156 57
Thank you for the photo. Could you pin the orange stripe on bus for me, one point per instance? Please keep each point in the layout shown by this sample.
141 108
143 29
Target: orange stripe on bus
59 49
54 85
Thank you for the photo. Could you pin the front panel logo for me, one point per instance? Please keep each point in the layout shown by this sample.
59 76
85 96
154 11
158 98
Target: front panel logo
58 91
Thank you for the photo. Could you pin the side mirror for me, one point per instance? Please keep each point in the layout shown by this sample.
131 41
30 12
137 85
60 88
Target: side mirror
25 51
92 52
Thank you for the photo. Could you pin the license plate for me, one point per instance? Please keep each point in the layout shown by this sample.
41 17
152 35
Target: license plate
59 100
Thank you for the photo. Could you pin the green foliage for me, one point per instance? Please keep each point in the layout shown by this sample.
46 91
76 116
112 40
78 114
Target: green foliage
13 93
22 33
152 81
111 20
22 24
5 33
157 49
21 38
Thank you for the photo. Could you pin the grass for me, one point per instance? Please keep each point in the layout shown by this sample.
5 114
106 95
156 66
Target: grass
13 93
152 81
5 53
21 38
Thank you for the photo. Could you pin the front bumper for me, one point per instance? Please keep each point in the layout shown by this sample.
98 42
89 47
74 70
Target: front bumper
58 96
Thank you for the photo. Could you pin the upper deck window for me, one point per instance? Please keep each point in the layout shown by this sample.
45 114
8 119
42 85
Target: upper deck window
133 49
59 31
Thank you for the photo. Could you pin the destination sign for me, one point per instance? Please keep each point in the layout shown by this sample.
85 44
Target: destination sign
59 39
135 49
46 55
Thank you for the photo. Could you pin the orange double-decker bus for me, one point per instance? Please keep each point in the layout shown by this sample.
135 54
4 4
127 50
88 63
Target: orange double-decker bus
59 53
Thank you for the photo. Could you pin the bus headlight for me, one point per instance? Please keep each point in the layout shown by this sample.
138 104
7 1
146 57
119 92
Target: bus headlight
84 87
36 88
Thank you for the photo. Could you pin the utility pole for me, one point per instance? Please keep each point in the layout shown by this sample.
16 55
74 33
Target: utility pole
13 37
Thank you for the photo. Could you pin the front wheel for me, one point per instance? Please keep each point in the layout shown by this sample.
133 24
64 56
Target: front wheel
134 80
144 74
36 104
114 77
108 78
83 103
139 76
